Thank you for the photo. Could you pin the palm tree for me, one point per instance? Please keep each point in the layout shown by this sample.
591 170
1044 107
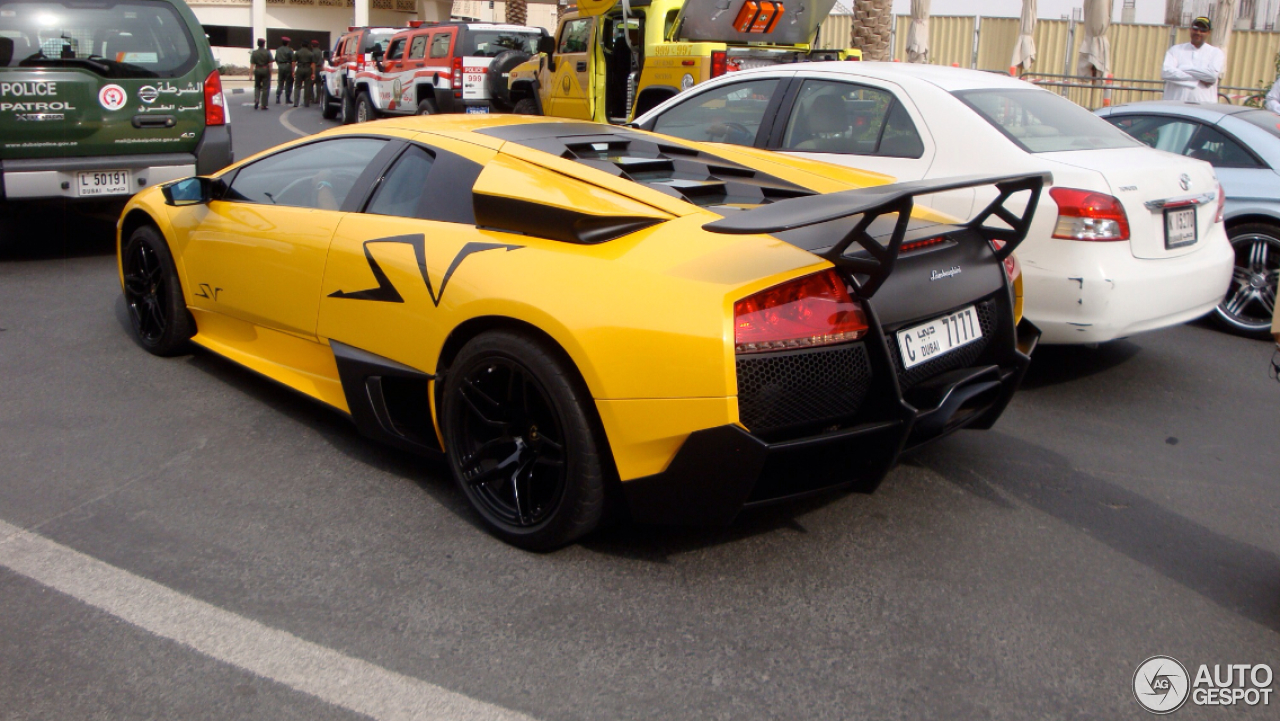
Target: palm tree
872 25
517 12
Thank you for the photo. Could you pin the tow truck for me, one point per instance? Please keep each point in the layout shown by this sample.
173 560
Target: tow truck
613 60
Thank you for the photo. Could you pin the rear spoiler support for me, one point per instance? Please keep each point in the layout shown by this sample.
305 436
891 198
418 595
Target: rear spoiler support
873 202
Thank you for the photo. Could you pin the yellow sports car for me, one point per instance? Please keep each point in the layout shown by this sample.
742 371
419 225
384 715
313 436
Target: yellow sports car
581 315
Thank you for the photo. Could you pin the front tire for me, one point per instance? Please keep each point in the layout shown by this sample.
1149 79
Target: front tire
526 106
347 110
364 109
328 105
157 310
520 441
1250 302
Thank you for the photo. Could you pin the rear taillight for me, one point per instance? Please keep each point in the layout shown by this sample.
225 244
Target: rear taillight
1011 268
1222 203
815 310
718 63
215 104
1087 215
457 77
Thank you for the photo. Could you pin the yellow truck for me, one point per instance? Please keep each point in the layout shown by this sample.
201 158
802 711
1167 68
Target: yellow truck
612 60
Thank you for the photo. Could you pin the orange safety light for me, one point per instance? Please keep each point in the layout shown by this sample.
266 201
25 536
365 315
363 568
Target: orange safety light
746 16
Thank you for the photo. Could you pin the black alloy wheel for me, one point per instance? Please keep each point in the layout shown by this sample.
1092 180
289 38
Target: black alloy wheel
520 442
1250 301
153 295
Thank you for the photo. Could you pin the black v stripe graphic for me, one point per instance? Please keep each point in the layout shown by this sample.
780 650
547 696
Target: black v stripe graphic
386 291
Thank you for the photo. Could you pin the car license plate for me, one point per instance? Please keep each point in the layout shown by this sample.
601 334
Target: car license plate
938 337
103 182
477 110
1179 227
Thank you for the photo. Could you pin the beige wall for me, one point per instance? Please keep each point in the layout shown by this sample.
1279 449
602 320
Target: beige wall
1137 50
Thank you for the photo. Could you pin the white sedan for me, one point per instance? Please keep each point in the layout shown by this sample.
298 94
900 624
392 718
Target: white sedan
1127 239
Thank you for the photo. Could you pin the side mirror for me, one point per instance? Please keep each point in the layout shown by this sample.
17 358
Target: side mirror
189 191
546 44
377 51
326 56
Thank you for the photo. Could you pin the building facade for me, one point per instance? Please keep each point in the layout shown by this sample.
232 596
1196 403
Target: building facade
233 26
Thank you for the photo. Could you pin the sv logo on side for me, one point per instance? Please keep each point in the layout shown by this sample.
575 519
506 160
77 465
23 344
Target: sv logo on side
208 291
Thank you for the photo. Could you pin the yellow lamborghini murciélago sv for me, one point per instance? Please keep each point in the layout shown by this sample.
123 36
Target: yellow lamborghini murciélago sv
580 315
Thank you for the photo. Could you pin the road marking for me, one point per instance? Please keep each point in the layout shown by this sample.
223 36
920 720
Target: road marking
273 654
284 120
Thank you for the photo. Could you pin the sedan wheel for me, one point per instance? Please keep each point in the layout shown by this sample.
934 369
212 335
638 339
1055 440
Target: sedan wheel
520 442
1250 302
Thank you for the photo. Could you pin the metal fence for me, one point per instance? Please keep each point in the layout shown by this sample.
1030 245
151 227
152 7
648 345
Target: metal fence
1137 52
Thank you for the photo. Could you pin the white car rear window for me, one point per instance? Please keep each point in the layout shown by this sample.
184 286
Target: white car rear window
1041 122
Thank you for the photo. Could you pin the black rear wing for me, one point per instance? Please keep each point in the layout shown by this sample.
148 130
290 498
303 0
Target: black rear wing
873 202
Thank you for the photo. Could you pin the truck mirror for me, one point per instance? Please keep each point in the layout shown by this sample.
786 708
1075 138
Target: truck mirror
546 44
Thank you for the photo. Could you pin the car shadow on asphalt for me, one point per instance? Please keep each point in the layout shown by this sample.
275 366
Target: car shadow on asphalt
1235 575
1054 364
49 233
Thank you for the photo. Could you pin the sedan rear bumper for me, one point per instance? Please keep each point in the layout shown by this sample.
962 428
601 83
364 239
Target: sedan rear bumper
719 471
1105 294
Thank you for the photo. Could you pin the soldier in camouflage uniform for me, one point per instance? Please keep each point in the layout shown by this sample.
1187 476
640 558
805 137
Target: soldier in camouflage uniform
302 76
260 59
284 71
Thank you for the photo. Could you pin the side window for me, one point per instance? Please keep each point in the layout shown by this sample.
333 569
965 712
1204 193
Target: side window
418 50
836 117
440 45
1160 132
575 36
400 192
729 114
396 50
1222 152
316 175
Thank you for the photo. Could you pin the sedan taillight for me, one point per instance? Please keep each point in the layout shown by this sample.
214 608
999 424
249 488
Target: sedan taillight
1222 203
1089 215
215 103
815 310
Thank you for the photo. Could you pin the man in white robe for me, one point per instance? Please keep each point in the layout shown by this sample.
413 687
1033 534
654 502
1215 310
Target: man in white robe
1191 70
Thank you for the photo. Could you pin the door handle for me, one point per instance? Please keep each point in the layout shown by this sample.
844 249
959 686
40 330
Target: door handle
582 66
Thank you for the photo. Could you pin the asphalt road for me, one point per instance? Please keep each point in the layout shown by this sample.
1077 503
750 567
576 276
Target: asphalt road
180 538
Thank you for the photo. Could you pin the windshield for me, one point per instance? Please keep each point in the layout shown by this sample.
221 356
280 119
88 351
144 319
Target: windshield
114 38
489 43
374 37
1042 122
1264 119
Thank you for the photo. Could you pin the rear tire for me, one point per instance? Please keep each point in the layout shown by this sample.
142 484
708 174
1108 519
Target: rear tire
526 106
520 441
153 296
365 111
1250 302
426 107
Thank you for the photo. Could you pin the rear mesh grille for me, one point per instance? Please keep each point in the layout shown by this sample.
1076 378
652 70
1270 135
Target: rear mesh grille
960 358
777 390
